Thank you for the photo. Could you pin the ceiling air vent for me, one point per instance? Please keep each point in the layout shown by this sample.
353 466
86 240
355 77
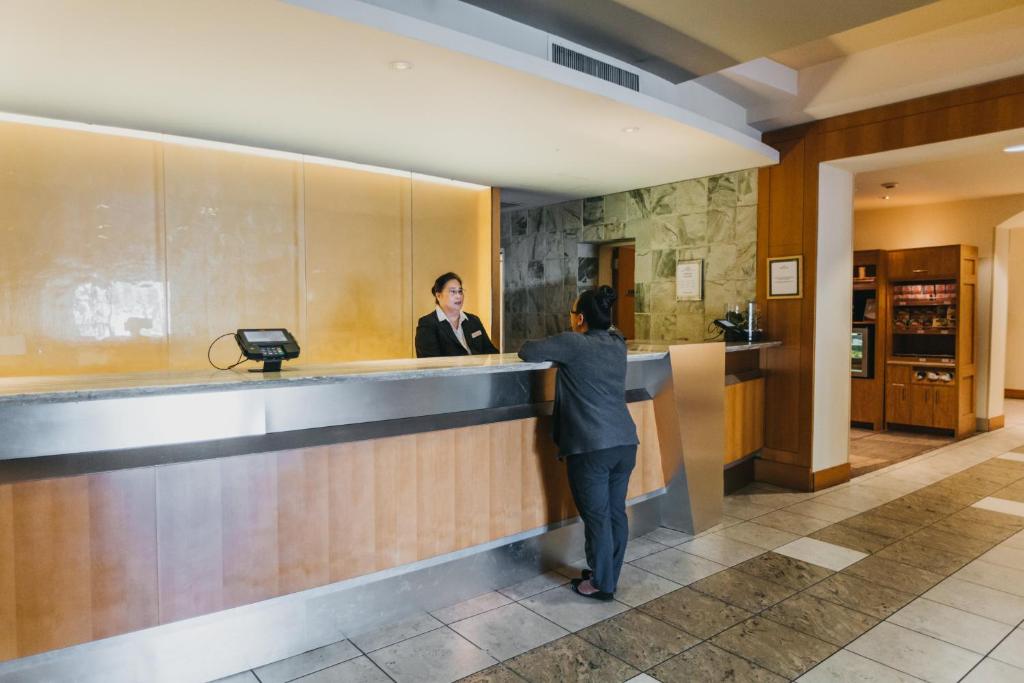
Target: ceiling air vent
594 67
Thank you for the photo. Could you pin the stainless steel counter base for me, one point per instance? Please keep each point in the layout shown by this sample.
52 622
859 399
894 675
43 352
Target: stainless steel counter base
224 643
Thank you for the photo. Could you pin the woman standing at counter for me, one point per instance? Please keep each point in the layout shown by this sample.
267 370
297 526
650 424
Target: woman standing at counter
449 331
594 431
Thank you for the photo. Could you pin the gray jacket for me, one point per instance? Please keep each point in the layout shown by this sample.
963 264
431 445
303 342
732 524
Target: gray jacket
590 389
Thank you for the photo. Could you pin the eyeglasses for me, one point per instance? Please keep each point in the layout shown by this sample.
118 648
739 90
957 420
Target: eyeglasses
453 291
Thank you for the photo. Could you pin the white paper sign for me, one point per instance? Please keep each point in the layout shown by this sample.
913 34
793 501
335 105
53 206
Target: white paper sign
689 278
785 278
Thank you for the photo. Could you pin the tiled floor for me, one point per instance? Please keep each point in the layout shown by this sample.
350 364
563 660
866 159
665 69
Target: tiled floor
870 451
912 572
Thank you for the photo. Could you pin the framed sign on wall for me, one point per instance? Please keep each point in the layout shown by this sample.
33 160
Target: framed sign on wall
690 280
785 277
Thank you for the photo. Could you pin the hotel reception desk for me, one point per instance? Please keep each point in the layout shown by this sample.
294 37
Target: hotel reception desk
189 526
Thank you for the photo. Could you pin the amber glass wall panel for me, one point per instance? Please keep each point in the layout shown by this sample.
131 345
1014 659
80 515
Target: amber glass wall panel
233 257
121 254
81 253
358 264
451 232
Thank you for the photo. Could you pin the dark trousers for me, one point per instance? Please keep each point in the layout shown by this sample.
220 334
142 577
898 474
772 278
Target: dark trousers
599 480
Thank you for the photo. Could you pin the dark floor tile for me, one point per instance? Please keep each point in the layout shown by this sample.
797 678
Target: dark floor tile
933 501
638 639
570 659
848 537
696 613
1000 520
921 511
880 525
1003 472
709 663
774 646
971 484
953 543
1011 493
951 494
970 529
820 618
784 570
496 674
896 575
920 556
860 595
743 590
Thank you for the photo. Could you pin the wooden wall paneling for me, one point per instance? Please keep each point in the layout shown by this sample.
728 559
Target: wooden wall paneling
472 486
251 557
782 387
189 539
352 507
122 538
744 419
8 604
53 563
303 519
506 478
435 486
395 500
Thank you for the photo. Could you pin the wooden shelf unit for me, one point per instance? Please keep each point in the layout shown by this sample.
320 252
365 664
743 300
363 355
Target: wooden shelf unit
947 277
867 394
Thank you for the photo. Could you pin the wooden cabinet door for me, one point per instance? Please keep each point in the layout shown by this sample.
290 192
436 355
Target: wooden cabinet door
944 407
897 407
921 410
924 264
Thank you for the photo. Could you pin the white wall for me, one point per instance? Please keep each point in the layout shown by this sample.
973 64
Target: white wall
832 323
971 222
1015 311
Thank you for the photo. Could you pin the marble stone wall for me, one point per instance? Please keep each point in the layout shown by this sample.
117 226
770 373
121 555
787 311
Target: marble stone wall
712 218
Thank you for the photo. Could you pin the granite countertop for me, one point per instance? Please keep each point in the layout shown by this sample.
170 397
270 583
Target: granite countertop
60 388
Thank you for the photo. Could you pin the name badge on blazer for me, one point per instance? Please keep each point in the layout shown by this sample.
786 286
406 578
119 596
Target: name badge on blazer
476 334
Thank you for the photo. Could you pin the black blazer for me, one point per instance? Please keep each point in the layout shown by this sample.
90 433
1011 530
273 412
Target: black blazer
437 338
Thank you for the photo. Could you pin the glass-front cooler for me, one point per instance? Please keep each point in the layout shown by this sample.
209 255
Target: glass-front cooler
861 360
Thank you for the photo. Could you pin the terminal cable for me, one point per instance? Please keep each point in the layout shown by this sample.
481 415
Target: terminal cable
241 356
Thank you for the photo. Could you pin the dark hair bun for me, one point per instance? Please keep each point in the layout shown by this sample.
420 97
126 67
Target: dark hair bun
604 297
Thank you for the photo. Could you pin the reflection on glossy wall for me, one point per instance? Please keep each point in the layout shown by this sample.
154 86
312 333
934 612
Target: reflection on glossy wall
121 254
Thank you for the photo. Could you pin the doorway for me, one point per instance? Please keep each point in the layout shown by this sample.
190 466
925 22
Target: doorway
617 267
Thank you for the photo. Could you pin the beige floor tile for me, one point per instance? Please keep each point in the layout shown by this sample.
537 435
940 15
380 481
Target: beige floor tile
720 549
508 631
1006 579
471 607
1010 507
819 510
570 611
537 584
793 523
758 535
675 565
1011 650
978 599
846 667
389 634
307 663
359 670
821 553
637 586
916 654
969 631
438 656
993 671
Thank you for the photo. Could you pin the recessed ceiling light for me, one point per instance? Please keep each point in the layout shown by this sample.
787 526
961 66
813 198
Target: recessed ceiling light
885 196
631 129
1014 148
401 66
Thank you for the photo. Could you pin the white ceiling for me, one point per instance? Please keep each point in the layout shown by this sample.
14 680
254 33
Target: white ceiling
270 74
968 168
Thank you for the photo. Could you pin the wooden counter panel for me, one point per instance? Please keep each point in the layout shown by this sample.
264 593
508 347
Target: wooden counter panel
96 555
8 606
744 419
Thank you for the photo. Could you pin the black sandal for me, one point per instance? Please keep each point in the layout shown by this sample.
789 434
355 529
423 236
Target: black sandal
598 595
586 574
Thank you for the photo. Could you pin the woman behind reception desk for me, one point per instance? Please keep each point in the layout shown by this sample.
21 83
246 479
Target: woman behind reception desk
449 331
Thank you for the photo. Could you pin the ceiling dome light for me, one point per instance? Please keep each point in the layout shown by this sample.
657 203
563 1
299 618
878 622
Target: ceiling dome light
1014 148
631 129
401 66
